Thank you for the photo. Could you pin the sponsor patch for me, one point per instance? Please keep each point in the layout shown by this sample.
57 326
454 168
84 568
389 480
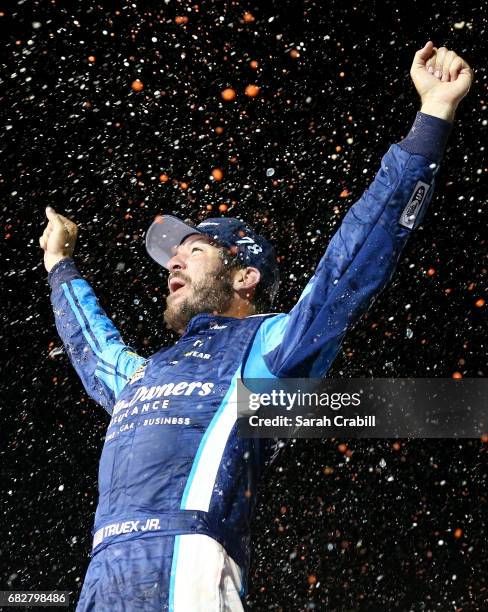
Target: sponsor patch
412 209
138 374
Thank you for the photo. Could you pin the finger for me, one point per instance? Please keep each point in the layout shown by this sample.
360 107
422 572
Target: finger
439 61
448 59
43 240
431 63
423 55
53 217
455 68
68 223
467 75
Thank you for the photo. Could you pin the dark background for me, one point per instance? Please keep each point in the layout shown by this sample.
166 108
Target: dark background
341 525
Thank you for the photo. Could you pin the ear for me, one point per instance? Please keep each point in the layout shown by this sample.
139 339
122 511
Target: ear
245 281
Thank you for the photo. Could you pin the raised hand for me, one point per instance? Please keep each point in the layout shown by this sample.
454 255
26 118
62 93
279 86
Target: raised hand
58 239
442 79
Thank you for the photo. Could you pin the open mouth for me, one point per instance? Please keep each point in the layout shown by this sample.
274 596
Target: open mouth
175 284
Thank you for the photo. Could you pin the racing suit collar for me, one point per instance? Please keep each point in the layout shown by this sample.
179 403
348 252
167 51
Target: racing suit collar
207 320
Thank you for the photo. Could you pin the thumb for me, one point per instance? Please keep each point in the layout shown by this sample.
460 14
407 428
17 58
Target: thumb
423 55
53 216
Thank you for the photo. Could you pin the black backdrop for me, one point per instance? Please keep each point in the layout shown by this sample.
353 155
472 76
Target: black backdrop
341 525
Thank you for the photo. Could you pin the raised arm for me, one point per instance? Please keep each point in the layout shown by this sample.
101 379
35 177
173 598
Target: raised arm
363 253
93 344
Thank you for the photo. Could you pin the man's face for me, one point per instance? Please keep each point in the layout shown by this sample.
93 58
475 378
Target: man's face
199 281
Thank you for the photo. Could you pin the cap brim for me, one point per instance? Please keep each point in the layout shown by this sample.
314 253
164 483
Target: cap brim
164 235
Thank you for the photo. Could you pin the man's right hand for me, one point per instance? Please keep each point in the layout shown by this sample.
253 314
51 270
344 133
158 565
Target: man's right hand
59 238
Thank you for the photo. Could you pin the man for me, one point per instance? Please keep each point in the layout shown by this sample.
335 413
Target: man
177 485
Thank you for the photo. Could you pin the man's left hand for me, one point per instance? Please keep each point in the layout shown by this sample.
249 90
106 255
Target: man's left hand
442 79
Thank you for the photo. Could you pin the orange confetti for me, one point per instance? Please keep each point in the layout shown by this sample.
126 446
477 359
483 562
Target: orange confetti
457 375
183 185
430 272
163 178
217 174
228 94
158 219
181 19
219 129
294 54
252 91
254 64
342 448
223 208
484 438
92 58
312 579
209 207
344 193
338 149
479 303
137 85
458 533
248 17
396 446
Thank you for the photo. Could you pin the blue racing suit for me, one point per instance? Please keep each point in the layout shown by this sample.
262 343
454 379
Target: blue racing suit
174 478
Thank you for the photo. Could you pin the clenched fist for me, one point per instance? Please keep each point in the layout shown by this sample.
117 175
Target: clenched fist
441 78
58 239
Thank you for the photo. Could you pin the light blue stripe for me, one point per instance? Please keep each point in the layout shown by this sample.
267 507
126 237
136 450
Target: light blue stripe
105 377
273 331
255 366
308 288
204 440
172 577
79 318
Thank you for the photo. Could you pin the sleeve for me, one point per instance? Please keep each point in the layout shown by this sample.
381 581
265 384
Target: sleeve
93 344
360 259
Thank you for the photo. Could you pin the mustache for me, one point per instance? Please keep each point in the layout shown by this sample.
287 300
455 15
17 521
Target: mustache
180 275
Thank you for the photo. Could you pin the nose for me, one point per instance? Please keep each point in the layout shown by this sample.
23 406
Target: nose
177 262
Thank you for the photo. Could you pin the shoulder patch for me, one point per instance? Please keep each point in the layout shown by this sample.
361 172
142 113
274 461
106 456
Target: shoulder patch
138 374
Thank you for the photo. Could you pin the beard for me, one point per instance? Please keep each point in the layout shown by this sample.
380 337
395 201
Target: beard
212 295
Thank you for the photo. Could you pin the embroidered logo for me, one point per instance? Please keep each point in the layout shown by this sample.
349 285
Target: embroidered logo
138 374
250 245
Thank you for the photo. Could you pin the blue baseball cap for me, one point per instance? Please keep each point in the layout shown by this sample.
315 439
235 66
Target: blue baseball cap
167 232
